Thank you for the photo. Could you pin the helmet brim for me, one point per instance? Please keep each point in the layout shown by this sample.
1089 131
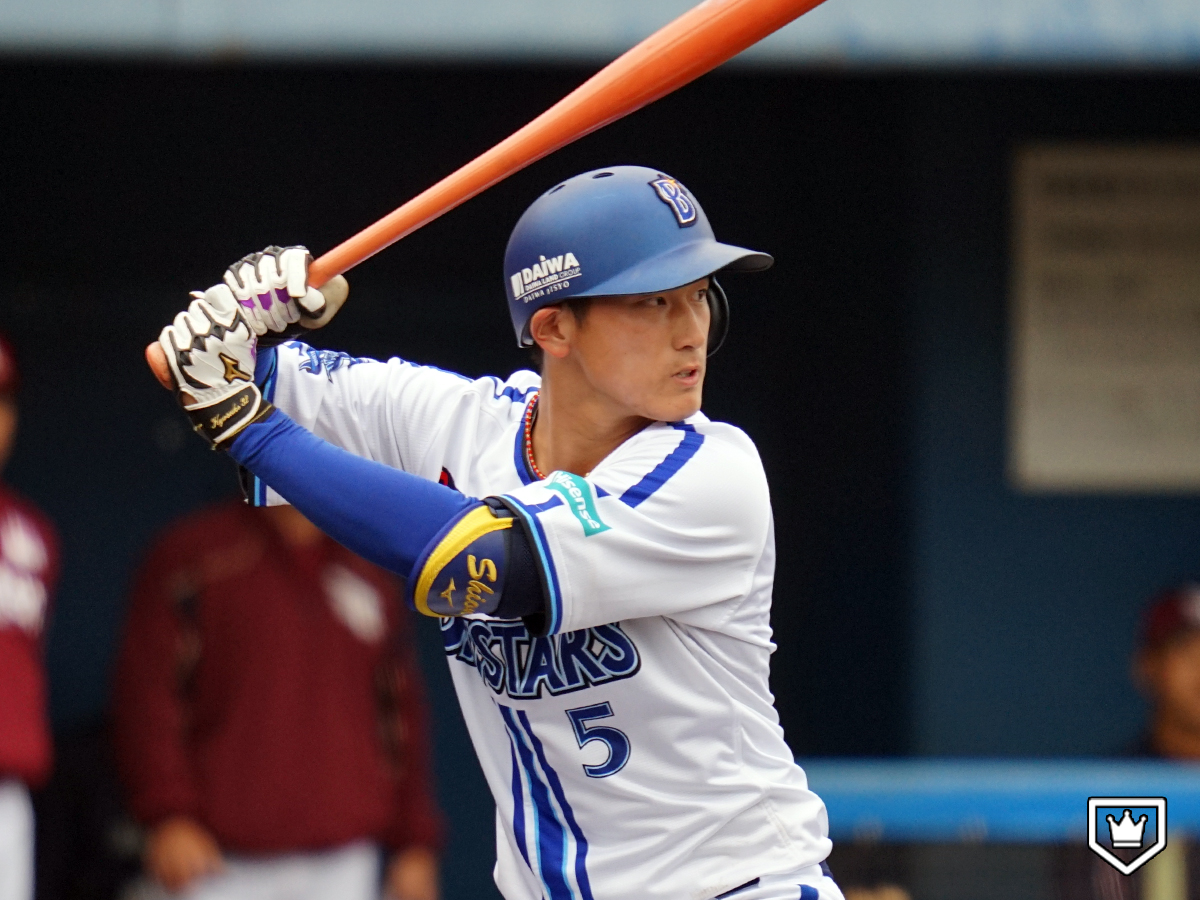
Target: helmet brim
679 266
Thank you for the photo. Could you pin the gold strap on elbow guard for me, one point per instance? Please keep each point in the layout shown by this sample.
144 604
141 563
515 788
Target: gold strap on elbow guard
462 571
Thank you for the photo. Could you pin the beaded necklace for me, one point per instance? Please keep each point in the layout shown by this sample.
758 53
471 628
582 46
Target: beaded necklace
530 418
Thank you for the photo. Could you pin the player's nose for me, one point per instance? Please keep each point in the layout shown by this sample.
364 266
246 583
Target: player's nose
689 322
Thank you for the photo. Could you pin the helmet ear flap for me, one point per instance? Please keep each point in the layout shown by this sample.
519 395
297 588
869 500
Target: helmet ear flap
718 321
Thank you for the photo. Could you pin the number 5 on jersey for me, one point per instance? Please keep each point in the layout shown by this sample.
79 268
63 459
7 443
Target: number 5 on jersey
613 738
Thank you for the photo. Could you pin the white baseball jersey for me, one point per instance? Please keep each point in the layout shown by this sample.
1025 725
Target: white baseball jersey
635 750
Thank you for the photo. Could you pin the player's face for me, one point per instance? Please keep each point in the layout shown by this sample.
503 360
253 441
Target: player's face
646 353
8 428
1173 676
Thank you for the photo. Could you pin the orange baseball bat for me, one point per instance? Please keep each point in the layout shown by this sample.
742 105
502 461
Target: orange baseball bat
679 52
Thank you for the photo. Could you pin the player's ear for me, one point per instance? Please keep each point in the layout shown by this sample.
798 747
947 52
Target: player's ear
552 328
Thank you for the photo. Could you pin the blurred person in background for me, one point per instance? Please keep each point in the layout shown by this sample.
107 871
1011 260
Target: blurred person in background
1167 670
269 717
28 571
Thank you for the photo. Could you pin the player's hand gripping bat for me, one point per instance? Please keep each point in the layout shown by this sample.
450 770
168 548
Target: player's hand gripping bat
678 53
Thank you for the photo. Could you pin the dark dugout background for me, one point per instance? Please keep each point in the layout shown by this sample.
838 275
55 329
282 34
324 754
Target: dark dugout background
125 186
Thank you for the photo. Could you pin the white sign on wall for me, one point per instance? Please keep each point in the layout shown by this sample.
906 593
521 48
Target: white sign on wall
1105 324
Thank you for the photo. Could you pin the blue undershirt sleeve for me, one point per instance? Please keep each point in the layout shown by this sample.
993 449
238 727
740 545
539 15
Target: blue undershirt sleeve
264 366
383 514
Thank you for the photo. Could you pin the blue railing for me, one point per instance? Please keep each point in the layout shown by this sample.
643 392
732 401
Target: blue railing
1019 801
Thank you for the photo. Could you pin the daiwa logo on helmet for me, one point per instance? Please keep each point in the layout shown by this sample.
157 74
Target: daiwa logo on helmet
672 193
546 276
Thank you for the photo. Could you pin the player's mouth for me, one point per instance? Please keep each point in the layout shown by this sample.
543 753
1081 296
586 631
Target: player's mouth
688 377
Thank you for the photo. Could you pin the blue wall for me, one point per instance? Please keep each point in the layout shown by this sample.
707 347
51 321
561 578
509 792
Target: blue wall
1024 607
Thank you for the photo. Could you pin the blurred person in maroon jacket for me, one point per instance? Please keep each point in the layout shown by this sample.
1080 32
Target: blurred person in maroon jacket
28 571
1167 669
270 723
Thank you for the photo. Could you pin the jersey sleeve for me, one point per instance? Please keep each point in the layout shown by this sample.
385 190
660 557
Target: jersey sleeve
407 416
674 526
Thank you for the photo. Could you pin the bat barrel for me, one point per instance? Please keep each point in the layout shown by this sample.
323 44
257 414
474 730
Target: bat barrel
680 52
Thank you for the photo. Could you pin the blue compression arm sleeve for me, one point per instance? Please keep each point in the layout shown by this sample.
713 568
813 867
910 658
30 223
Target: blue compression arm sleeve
383 514
264 366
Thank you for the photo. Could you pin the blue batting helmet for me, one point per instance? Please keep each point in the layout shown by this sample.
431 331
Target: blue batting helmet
620 230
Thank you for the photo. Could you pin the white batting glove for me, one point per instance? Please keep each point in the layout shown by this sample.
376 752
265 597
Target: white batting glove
271 289
211 354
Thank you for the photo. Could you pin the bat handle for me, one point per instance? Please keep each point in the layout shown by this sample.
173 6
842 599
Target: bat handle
156 359
320 271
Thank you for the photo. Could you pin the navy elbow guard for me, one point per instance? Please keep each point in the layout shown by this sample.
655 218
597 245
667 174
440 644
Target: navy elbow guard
478 563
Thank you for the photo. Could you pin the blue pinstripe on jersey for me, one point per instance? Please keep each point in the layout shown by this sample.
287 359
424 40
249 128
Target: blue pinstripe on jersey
518 793
651 481
551 836
661 474
581 845
645 488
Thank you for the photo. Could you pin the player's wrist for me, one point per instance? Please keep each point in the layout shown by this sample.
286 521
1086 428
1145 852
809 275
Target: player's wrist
210 353
221 421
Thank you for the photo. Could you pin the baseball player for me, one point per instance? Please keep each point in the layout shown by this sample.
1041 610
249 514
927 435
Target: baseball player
600 553
28 572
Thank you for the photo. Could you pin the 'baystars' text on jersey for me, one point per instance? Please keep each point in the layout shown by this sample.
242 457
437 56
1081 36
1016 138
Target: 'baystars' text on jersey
635 750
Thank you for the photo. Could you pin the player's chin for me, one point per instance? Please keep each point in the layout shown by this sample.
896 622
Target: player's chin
680 400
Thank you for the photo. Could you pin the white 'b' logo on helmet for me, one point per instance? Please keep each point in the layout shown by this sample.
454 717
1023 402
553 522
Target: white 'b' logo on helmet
671 193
